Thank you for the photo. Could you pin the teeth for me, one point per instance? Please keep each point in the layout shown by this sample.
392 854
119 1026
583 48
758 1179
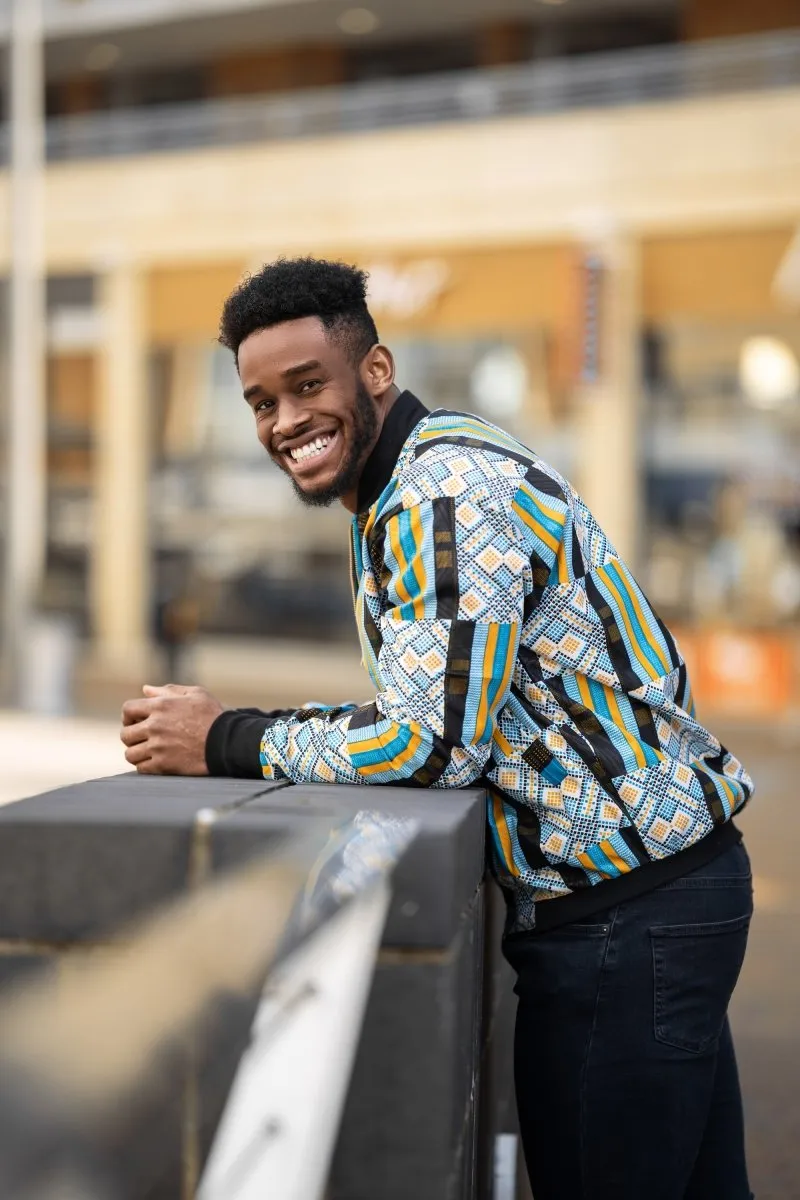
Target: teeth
310 449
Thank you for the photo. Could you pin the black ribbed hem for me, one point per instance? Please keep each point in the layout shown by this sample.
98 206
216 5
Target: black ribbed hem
233 744
550 914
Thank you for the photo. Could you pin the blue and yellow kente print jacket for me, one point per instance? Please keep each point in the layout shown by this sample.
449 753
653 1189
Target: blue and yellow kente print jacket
508 643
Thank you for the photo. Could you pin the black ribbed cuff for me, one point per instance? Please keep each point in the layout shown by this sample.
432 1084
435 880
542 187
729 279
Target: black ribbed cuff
233 744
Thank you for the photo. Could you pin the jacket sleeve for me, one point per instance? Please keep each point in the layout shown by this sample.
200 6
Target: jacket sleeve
454 584
233 743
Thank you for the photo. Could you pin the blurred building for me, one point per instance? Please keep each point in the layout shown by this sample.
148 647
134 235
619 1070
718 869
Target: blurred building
578 217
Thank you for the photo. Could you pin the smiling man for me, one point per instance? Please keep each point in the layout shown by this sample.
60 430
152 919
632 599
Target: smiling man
509 644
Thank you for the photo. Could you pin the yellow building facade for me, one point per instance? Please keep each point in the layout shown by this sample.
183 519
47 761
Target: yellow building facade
607 264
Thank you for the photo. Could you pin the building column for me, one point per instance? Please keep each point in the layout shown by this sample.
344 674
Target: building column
120 548
25 449
608 473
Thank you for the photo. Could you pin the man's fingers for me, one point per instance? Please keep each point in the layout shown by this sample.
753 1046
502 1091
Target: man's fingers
149 690
134 711
148 768
165 731
138 754
131 735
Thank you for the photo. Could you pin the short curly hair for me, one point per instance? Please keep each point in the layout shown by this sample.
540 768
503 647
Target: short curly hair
290 288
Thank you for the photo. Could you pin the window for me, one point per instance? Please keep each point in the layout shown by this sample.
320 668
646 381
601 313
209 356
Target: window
722 473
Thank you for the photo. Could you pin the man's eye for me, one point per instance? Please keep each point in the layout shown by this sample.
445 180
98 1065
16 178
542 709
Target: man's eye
263 406
309 384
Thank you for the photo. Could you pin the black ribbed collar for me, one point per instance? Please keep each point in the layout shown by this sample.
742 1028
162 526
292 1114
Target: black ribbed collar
406 412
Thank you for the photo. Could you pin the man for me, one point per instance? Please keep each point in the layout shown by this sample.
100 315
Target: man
509 644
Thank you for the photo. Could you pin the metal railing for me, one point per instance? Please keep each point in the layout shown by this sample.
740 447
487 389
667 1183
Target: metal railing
66 18
634 77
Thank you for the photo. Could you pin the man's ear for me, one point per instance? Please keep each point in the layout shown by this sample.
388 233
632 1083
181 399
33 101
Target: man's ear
377 370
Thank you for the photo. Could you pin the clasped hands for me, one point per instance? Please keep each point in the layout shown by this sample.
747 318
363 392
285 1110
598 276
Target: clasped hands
165 730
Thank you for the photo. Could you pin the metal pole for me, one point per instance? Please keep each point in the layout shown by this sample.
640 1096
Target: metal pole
26 476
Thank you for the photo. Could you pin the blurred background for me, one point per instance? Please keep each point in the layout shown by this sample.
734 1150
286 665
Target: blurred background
578 217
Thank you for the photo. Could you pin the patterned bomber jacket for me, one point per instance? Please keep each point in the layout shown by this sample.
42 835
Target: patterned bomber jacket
508 643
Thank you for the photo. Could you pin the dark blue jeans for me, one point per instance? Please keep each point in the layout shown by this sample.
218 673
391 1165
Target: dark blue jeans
624 1065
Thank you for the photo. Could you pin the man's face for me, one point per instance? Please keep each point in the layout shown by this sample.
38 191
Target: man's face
315 416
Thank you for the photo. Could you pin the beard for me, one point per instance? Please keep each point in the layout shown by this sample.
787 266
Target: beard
365 427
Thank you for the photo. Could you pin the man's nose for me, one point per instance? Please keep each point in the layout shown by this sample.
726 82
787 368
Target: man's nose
290 420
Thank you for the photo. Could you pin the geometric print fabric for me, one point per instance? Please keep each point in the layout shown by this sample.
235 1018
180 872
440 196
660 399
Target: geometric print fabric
506 640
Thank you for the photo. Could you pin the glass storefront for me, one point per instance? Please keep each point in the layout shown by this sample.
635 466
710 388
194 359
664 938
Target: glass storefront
717 538
720 467
721 459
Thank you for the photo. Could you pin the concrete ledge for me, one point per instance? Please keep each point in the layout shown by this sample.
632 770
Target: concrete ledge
78 863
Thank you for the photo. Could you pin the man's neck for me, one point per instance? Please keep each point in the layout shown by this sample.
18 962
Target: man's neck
383 408
406 413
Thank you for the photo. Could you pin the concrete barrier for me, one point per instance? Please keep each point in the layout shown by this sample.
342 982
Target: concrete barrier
431 1088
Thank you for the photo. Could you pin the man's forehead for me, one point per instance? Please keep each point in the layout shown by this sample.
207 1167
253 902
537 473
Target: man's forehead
283 346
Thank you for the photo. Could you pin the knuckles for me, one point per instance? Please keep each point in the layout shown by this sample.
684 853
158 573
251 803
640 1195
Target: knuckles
163 734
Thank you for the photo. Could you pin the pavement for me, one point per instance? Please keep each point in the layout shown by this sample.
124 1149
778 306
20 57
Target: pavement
39 753
765 1014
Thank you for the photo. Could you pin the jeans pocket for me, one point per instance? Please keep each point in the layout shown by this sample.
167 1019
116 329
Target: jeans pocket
695 969
561 963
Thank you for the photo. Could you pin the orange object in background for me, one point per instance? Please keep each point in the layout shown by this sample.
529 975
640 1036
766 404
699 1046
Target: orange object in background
740 672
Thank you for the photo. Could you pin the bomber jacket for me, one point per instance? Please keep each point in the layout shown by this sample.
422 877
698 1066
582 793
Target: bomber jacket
509 644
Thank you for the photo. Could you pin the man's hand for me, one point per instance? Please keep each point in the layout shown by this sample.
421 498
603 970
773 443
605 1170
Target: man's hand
165 731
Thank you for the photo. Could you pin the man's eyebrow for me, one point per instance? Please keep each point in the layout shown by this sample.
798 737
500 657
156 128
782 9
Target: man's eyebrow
255 390
301 368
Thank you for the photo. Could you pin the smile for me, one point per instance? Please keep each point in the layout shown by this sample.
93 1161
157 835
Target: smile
313 451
